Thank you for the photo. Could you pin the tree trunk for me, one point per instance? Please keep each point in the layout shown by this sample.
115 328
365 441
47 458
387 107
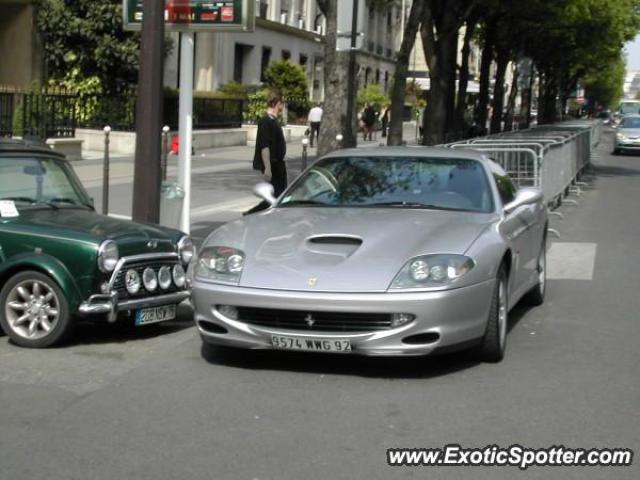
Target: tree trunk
334 118
400 75
482 107
511 103
461 102
440 47
547 108
502 61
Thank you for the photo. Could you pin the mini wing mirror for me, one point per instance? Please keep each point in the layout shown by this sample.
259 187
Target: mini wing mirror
525 196
265 191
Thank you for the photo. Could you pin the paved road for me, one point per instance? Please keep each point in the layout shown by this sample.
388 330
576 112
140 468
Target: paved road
121 403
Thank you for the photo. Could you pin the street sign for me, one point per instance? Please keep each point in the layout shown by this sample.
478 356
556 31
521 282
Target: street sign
197 15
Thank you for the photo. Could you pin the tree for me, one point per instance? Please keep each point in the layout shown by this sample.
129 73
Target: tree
334 117
398 90
287 77
372 93
85 38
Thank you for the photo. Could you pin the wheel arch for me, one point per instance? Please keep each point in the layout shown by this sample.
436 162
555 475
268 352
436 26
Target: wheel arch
48 266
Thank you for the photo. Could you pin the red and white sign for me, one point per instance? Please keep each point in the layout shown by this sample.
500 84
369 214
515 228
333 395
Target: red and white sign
227 14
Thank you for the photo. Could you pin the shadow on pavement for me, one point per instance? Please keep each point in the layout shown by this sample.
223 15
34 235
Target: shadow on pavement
336 364
615 171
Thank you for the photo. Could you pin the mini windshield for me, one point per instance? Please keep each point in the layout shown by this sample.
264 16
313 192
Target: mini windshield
36 181
630 122
411 182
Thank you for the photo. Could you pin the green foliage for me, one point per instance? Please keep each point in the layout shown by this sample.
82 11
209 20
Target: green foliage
234 89
289 78
257 106
604 86
372 93
86 38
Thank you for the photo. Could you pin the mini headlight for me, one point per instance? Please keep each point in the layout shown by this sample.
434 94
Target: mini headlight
149 279
179 277
108 256
186 250
432 271
164 277
220 263
132 281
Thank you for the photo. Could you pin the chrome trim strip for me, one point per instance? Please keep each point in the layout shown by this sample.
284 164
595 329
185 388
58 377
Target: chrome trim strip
172 298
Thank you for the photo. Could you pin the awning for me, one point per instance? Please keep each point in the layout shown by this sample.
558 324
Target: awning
425 84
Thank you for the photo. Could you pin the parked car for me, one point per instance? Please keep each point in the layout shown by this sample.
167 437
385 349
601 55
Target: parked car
627 134
401 251
60 260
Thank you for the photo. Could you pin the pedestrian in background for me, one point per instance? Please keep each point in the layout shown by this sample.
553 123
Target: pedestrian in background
315 119
369 117
385 119
271 149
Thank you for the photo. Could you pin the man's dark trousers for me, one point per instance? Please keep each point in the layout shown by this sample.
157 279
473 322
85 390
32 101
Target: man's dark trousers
315 130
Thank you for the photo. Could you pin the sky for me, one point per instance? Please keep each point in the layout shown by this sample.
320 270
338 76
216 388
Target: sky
633 54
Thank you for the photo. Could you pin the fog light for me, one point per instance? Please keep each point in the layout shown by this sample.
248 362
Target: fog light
399 319
149 279
228 311
132 281
105 288
164 277
179 277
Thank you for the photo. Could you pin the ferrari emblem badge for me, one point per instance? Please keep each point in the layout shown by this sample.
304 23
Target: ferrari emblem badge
312 282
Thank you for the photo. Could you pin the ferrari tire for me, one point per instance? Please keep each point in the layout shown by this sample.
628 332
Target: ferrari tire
494 341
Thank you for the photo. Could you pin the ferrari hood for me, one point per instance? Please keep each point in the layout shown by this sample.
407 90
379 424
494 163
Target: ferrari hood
345 250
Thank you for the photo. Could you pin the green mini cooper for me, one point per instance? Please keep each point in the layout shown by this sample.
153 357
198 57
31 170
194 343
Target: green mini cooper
60 260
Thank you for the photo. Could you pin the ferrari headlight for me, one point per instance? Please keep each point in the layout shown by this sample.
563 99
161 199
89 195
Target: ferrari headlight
621 136
108 256
223 264
186 250
432 271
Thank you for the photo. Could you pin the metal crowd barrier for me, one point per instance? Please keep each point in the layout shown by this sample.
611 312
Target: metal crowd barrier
549 157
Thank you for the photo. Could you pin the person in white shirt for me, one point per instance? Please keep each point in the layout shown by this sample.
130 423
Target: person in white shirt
315 118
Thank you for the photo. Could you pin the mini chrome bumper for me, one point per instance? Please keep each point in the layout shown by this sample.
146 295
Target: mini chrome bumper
108 304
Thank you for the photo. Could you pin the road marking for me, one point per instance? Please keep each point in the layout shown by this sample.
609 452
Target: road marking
571 261
237 205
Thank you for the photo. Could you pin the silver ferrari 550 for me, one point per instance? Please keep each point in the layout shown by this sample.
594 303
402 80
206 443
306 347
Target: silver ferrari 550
401 251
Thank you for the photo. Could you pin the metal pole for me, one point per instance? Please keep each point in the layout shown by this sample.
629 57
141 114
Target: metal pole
185 126
105 172
165 151
350 134
305 144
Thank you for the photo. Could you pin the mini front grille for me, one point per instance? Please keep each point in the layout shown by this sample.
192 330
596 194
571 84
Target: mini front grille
315 321
139 266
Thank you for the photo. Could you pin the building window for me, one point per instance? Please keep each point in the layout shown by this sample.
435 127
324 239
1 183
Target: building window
303 60
266 58
377 75
264 9
386 81
286 55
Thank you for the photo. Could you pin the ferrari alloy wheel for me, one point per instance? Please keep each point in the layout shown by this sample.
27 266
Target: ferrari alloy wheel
535 296
494 341
33 310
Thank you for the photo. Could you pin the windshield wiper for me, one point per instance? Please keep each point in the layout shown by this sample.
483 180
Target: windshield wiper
409 205
71 201
20 199
304 202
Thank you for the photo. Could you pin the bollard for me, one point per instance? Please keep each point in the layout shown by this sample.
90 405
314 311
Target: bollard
105 172
305 144
339 138
165 151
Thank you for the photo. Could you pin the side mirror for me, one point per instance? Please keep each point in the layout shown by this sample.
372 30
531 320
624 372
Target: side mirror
265 191
525 196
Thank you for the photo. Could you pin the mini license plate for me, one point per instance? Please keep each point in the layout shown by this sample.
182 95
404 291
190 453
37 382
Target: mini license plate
283 342
155 314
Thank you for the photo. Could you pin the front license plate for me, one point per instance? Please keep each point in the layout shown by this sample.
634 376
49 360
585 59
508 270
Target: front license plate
283 342
155 314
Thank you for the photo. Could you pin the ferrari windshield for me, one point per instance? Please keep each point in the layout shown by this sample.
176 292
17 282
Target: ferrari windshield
377 181
39 180
630 122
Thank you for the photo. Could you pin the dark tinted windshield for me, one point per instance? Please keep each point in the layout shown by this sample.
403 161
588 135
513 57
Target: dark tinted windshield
630 122
439 183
